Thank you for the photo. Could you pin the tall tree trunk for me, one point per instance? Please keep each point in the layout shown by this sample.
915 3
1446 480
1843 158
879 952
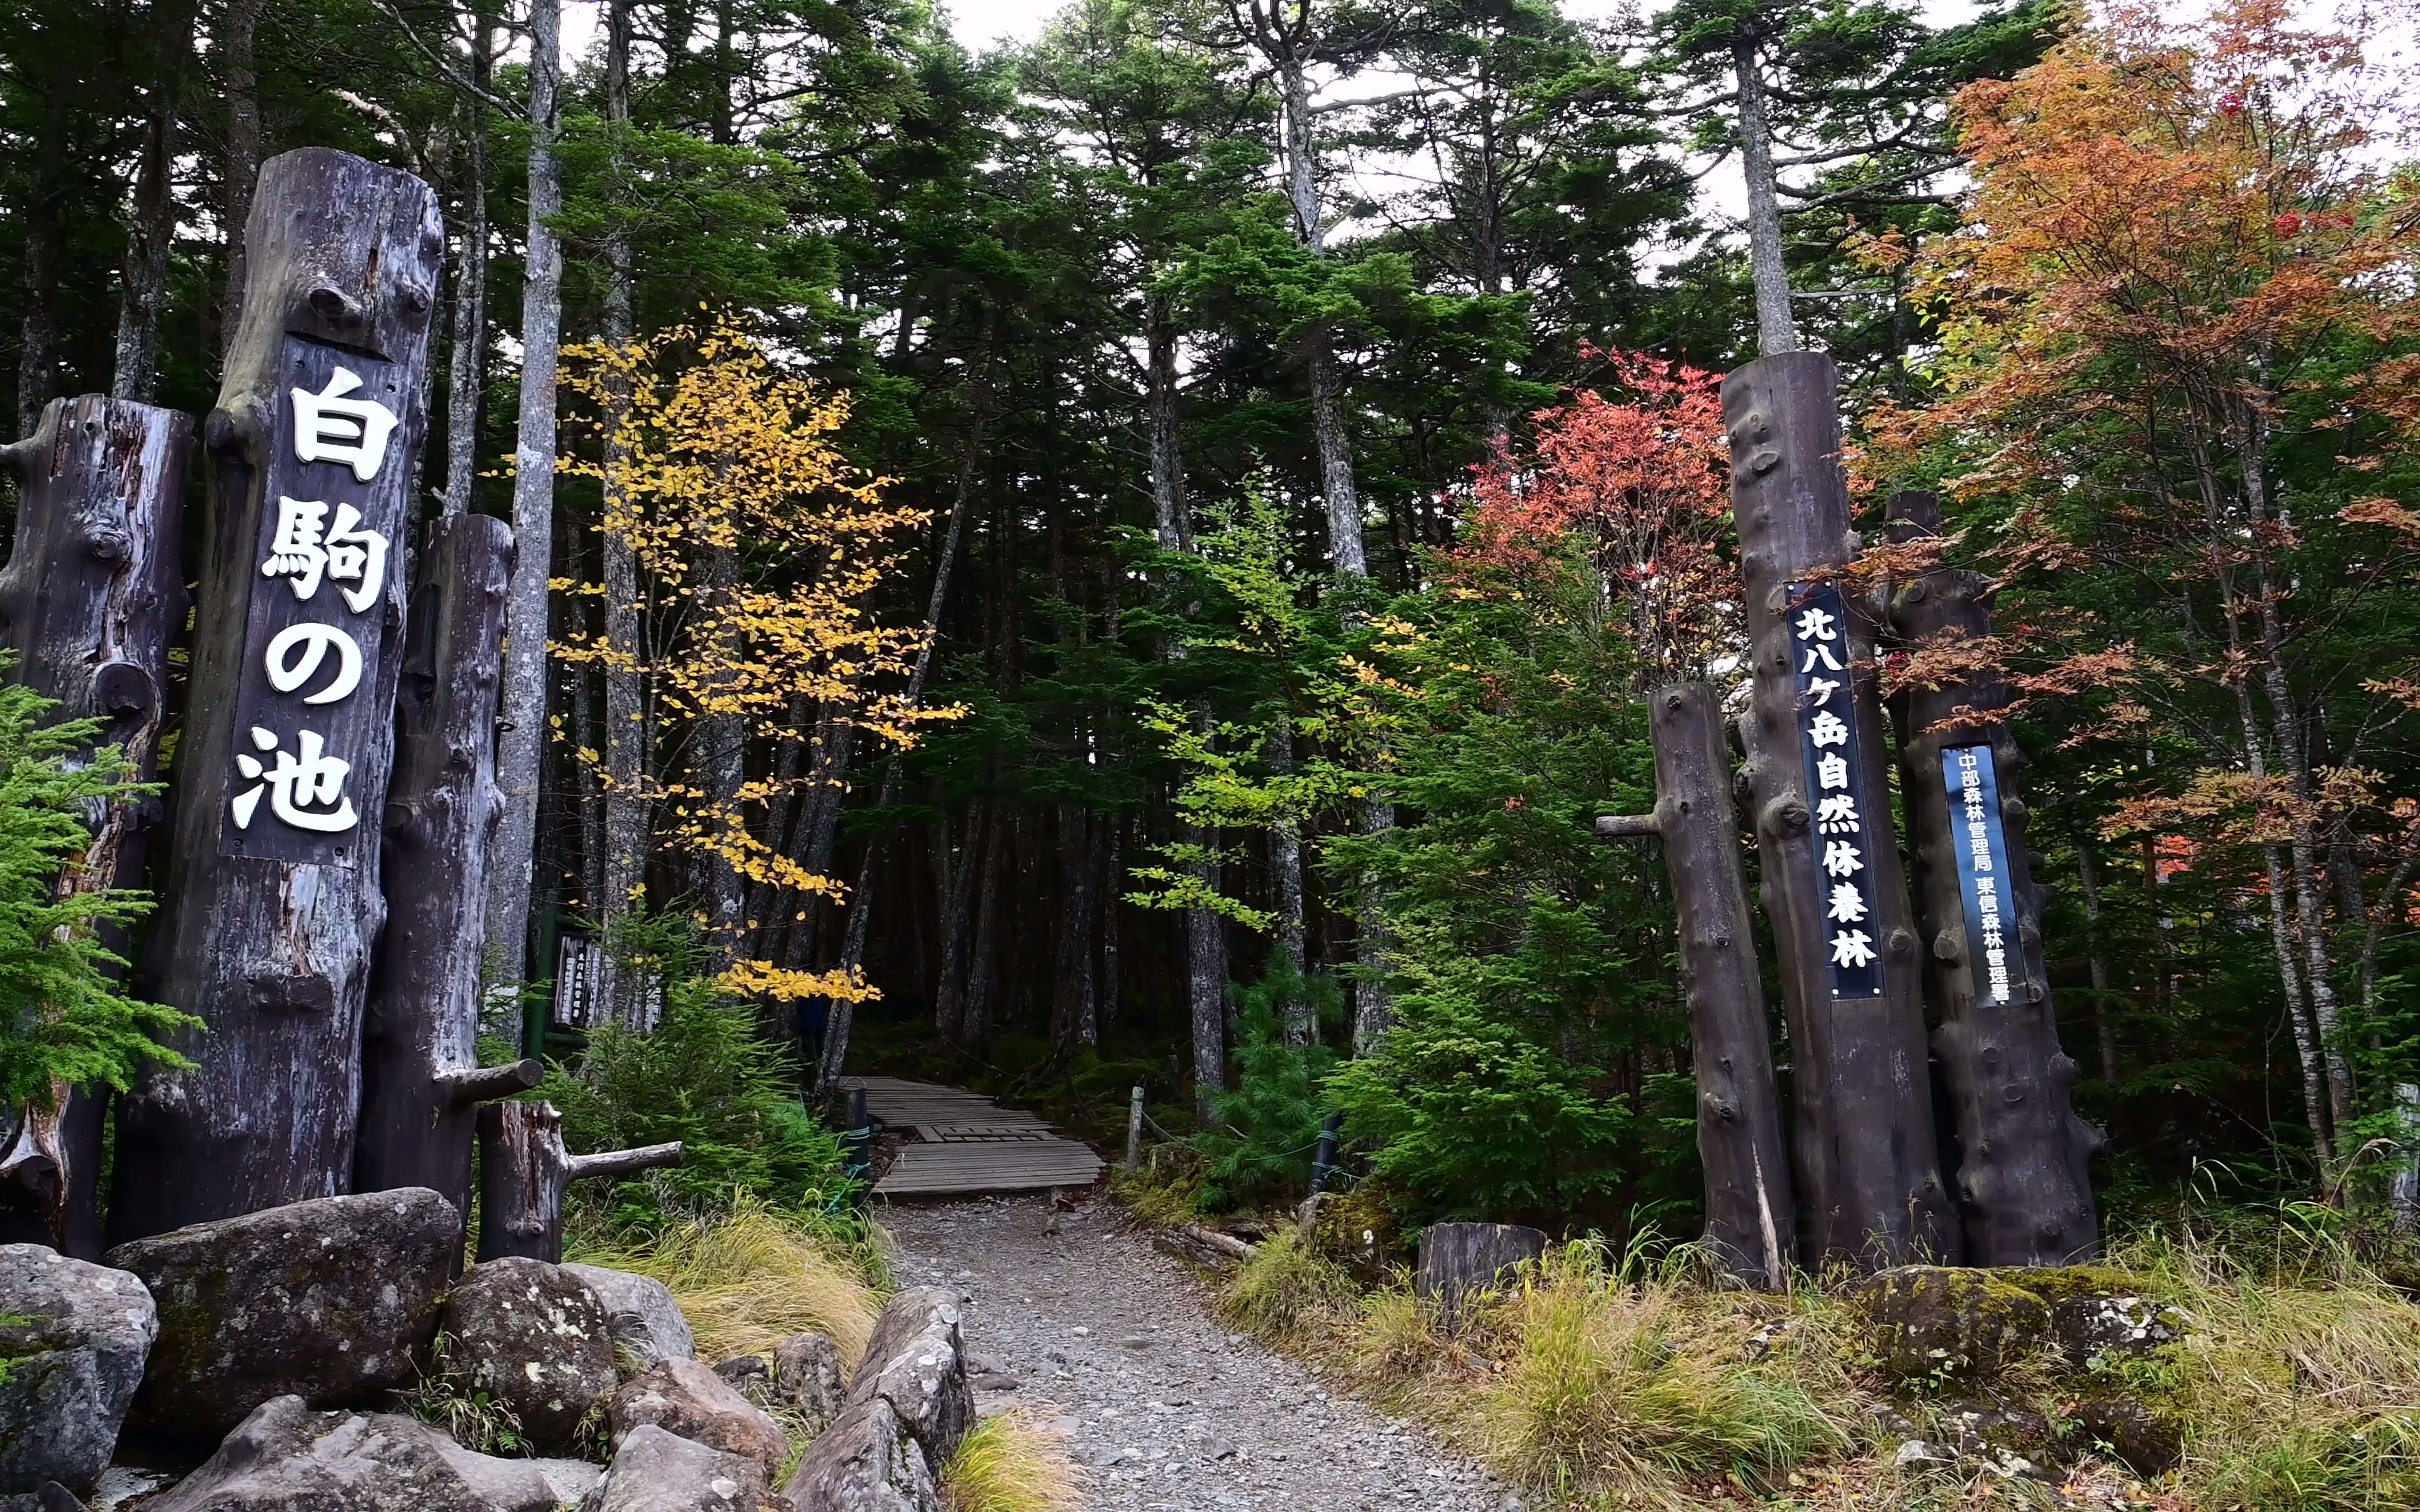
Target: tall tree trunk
1776 329
466 378
630 733
2024 1181
37 329
974 1024
720 744
956 877
1206 961
2097 952
1868 1180
1073 1007
240 77
1751 1211
1285 868
153 227
521 720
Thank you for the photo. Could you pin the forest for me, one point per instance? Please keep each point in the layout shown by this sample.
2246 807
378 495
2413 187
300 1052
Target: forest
1140 556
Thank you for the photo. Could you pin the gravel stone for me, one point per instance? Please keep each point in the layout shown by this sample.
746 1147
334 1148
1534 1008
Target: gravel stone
1172 1412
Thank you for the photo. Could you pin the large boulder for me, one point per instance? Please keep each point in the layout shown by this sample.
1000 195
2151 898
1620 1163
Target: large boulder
285 1458
917 1363
2101 1313
807 1379
683 1397
865 1462
647 1323
536 1340
326 1300
2146 1441
654 1471
1949 1323
72 1341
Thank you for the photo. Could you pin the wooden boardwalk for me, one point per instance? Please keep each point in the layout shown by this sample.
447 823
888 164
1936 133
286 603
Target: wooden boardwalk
963 1143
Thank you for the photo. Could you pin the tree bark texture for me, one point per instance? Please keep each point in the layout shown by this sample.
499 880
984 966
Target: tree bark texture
466 374
2024 1177
421 1079
1776 329
1751 1209
38 327
523 1169
153 225
91 597
1456 1259
240 77
265 932
521 723
1869 1178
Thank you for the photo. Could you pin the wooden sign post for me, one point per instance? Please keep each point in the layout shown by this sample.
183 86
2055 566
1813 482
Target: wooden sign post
421 1078
91 596
272 897
1751 1213
2024 1179
1870 1189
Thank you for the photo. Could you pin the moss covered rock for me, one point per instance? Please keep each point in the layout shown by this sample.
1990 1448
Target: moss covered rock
1949 1322
536 1341
2100 1312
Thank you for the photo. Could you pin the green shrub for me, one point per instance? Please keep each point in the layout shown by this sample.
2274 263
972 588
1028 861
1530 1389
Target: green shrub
62 1018
1260 1148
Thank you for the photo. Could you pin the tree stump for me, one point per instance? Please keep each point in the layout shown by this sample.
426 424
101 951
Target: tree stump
1457 1260
523 1169
272 898
421 1077
92 596
1869 1177
1751 1216
2024 1176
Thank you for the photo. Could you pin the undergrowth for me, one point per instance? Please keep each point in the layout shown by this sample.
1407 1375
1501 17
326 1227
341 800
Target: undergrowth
1009 1464
1641 1381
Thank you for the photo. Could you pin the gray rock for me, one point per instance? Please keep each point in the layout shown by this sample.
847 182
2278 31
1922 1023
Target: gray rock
536 1340
917 1363
654 1471
326 1300
50 1497
751 1377
74 1336
867 1462
647 1322
806 1373
1949 1322
2002 1436
571 1480
285 1458
684 1397
2122 1428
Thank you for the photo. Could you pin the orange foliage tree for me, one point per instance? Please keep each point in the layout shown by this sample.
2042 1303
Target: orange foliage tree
759 549
2174 332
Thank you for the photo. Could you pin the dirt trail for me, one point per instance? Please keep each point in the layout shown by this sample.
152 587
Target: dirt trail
1095 1331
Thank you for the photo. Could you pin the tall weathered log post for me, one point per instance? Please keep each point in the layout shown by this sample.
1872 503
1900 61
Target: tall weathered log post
91 597
271 900
2024 1179
421 1078
523 1169
1869 1178
1751 1213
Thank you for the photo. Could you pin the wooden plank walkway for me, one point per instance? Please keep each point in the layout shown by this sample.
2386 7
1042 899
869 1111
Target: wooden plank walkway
966 1143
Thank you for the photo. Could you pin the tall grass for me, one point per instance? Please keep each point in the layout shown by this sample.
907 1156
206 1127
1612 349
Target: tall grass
1011 1464
749 1278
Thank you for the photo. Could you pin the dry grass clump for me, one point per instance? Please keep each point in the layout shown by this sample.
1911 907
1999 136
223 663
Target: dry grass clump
2297 1385
1286 1293
748 1279
1010 1463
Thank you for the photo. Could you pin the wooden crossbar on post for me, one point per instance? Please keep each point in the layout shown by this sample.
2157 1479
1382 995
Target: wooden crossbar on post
523 1169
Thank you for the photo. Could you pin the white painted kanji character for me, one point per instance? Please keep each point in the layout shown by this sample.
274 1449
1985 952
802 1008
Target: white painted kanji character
1817 651
1841 858
1826 729
1831 770
302 781
1850 947
1815 625
1848 905
1837 815
305 548
295 652
1819 689
329 427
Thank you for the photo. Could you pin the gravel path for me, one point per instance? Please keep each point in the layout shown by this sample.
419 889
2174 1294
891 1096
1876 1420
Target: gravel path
1093 1330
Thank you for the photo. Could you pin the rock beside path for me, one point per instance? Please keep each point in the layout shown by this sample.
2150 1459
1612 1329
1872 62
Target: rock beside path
684 1397
648 1322
917 1363
536 1341
328 1300
74 1336
807 1377
868 1461
285 1458
654 1471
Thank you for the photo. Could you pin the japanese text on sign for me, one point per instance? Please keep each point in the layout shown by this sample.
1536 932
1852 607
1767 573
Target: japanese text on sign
1982 848
1819 639
334 497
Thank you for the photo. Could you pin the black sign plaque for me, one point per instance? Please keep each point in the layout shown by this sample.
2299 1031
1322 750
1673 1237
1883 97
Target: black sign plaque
1840 813
1974 786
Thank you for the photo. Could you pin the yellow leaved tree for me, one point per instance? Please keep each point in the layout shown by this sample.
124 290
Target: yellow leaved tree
738 645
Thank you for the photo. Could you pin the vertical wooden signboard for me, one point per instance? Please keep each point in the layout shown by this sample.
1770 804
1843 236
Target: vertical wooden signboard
272 898
1869 1190
2023 1175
